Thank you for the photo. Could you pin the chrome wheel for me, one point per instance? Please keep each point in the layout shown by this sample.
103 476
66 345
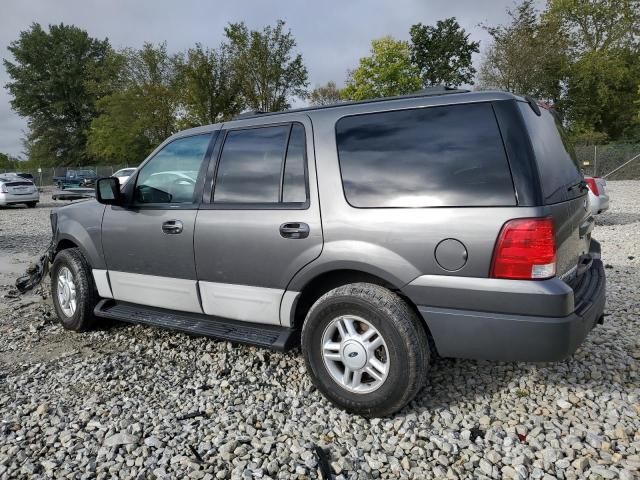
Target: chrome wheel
355 354
66 292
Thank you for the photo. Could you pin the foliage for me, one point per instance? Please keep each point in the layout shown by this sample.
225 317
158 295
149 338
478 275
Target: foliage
603 72
269 70
54 76
443 53
325 94
527 56
386 72
582 57
143 112
209 87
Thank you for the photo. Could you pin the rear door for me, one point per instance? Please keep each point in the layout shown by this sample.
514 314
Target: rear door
563 193
259 223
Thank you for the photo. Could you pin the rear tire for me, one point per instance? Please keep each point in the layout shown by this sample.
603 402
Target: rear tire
356 317
73 291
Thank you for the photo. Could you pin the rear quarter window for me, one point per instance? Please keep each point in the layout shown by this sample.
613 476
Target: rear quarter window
449 156
559 169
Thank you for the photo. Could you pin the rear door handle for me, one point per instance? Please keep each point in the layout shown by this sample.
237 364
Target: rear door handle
294 230
172 227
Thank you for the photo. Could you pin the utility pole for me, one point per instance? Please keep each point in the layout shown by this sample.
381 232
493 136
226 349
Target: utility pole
595 160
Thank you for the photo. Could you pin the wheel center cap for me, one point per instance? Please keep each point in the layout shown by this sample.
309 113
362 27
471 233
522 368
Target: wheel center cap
65 293
354 355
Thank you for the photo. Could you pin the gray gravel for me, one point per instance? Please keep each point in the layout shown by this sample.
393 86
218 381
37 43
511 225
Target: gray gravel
138 402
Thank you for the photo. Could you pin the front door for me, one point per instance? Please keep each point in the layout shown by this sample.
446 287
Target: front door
148 245
261 222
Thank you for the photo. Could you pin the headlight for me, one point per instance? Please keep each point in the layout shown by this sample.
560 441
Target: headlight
3 188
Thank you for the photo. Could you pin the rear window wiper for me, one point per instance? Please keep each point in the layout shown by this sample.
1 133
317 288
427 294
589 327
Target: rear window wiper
581 184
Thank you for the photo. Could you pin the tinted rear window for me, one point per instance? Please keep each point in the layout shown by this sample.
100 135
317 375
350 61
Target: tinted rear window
447 156
556 159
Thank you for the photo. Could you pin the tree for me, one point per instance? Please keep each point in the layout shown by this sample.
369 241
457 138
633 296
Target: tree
602 76
209 88
443 53
325 94
144 110
386 72
527 56
271 73
54 76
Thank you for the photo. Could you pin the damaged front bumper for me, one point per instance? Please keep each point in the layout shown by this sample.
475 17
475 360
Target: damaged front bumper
36 271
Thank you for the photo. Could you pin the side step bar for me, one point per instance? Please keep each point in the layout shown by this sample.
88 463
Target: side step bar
269 336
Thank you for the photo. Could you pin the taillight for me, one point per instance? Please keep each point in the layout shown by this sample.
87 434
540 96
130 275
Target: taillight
593 186
525 250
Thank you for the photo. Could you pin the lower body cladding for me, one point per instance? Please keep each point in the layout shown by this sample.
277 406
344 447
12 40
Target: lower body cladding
541 330
240 313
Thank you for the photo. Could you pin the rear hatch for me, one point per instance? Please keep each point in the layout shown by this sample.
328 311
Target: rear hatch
564 191
19 187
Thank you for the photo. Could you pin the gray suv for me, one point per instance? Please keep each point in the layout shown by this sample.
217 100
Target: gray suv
375 235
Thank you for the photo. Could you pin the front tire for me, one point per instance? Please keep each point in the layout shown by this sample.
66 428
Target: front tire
365 349
31 204
73 291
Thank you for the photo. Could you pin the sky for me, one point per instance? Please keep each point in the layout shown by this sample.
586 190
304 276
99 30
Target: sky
331 35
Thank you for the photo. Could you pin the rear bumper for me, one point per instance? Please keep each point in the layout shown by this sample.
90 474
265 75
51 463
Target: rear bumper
512 337
598 204
10 199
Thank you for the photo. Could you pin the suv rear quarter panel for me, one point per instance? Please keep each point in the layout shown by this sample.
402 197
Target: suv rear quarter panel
396 244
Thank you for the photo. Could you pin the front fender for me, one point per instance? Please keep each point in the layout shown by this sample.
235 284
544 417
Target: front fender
81 224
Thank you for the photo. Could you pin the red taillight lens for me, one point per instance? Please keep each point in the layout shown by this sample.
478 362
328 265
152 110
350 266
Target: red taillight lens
525 250
593 186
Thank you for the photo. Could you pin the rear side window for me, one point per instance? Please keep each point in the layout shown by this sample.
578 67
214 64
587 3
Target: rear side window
559 169
449 156
264 165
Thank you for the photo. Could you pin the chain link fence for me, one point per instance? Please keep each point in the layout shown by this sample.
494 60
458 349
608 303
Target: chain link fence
596 160
47 176
600 160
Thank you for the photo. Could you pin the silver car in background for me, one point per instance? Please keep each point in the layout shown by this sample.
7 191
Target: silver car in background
16 190
598 198
123 174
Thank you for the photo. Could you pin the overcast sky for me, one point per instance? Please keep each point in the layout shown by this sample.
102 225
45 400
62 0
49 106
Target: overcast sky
331 34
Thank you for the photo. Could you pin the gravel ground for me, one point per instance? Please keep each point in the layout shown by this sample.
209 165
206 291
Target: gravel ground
138 402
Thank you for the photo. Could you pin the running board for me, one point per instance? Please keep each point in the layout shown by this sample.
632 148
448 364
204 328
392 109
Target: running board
269 336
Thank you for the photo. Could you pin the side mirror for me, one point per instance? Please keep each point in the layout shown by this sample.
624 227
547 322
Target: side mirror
108 191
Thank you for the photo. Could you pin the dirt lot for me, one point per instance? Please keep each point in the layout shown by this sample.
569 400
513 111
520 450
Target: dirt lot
138 402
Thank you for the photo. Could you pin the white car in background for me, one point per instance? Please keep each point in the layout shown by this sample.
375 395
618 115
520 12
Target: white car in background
123 174
16 190
598 198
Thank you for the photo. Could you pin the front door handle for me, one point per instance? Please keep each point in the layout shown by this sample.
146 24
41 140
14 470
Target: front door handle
172 227
294 230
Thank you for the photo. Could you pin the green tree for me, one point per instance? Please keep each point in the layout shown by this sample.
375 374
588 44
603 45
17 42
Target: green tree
443 53
143 112
271 72
325 94
209 88
386 72
528 56
602 76
54 84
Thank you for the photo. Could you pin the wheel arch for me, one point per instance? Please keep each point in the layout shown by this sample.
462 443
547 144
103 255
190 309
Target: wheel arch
320 284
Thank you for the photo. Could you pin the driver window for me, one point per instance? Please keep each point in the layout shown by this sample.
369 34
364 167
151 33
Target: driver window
171 175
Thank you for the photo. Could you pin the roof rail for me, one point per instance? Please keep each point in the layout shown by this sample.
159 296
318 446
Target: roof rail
425 92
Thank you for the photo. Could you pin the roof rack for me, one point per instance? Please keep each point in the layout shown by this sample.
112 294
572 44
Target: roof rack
425 92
